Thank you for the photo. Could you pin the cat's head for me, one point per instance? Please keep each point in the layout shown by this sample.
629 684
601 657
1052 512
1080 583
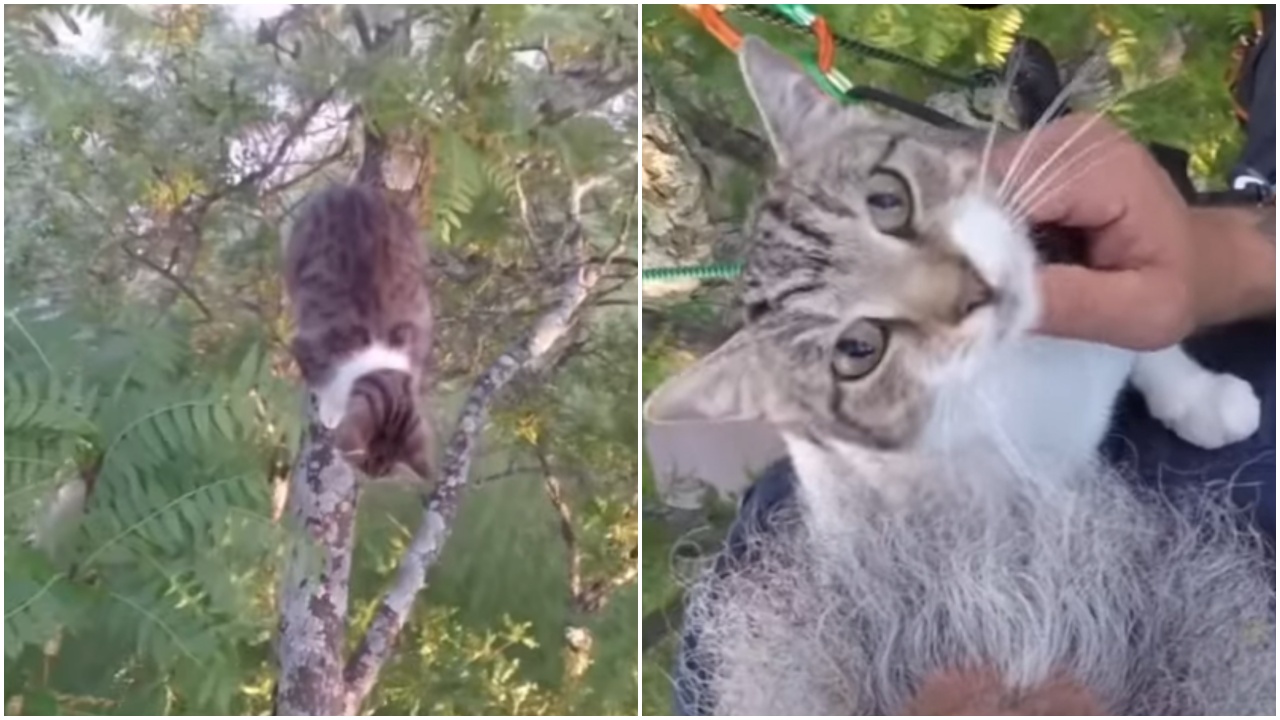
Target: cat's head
384 427
881 268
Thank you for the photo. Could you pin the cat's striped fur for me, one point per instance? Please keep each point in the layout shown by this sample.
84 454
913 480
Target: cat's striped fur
383 426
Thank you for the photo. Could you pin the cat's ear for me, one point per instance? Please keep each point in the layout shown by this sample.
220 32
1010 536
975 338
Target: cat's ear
722 386
418 450
354 432
789 101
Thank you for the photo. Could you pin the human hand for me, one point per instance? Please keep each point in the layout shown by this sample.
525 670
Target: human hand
1140 288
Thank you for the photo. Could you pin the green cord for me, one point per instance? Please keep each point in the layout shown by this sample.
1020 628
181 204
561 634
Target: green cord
784 17
799 14
803 16
722 270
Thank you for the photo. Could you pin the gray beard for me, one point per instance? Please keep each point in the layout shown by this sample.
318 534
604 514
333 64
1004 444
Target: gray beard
1155 610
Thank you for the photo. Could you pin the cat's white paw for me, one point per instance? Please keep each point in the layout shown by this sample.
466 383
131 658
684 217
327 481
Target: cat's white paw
1211 410
330 409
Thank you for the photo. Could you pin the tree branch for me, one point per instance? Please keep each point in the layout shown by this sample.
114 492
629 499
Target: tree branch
269 32
139 257
441 506
596 596
313 599
292 135
362 29
573 555
316 167
717 133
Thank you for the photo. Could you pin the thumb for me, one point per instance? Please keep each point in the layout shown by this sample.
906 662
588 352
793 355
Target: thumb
1117 307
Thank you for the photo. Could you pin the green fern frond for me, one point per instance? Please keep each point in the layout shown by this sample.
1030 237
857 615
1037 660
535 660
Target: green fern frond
461 182
501 178
33 404
38 600
171 468
139 508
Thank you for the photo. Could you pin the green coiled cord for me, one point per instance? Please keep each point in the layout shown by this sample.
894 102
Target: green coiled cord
721 270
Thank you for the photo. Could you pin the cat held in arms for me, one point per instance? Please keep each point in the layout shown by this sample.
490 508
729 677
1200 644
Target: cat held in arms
956 544
355 274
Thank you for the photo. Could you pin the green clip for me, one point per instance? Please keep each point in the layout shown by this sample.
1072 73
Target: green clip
798 14
810 63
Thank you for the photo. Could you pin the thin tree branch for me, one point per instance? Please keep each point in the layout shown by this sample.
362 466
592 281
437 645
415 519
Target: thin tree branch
597 595
294 133
316 167
362 29
573 554
512 472
269 31
441 506
139 257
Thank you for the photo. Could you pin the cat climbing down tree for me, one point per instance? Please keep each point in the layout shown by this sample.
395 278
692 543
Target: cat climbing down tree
354 271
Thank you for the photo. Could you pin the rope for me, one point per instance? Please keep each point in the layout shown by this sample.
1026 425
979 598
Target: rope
800 19
714 271
769 15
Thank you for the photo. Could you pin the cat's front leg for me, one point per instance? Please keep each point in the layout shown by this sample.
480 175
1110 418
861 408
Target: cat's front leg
332 360
1204 408
315 361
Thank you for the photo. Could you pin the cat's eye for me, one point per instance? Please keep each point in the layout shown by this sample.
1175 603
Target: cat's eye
889 201
859 350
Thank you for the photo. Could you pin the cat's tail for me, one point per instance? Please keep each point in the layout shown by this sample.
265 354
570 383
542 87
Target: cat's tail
982 692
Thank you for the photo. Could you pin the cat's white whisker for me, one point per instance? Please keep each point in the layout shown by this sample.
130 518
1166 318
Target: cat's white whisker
1008 448
1027 197
1066 145
1058 102
1052 187
1007 92
1102 109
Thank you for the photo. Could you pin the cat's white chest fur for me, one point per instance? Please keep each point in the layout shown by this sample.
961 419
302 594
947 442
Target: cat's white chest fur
1039 408
1043 406
331 398
1040 400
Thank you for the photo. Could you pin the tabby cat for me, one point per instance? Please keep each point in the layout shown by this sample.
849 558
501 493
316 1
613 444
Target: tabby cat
355 273
951 507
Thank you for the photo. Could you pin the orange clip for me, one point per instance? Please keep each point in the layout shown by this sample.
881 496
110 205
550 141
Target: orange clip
826 44
713 20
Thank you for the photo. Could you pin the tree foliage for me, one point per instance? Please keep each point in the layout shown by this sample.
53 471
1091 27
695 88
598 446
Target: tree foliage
705 154
154 157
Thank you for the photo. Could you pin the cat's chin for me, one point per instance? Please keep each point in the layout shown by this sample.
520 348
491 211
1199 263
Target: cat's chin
988 333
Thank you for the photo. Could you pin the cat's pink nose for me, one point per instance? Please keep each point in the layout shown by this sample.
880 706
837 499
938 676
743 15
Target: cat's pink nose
974 294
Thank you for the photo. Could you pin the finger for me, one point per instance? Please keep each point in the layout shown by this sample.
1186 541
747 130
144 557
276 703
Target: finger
1100 306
